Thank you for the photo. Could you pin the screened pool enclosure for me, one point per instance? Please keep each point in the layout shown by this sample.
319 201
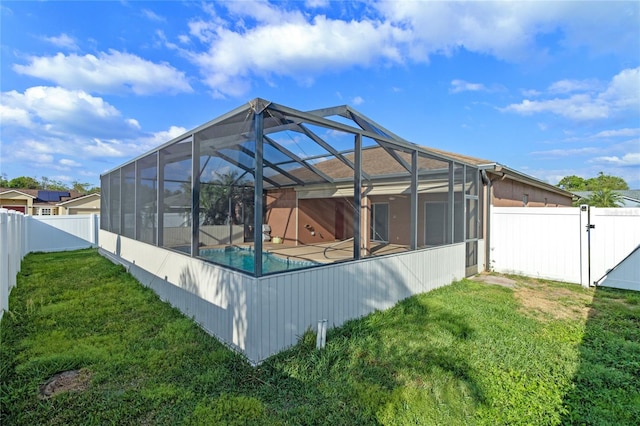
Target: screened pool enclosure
266 188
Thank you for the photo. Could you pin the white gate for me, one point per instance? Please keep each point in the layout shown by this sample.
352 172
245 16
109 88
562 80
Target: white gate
577 244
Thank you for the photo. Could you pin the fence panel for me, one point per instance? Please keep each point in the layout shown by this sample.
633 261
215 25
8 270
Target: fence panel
11 253
60 233
537 242
615 236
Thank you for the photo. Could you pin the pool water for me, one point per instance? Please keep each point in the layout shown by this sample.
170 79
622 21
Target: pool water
242 258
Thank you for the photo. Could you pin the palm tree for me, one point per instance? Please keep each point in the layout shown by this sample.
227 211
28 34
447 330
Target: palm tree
604 198
223 200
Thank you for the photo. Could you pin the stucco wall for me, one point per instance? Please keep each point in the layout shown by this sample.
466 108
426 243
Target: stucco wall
281 214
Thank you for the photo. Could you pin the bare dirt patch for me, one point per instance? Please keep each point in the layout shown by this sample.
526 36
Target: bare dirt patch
67 381
547 301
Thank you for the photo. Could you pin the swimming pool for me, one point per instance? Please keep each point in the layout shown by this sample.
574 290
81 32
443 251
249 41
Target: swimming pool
242 258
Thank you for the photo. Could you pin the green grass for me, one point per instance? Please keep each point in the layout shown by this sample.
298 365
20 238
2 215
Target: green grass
469 353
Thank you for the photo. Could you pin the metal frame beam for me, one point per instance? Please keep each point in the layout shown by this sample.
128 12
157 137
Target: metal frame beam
257 196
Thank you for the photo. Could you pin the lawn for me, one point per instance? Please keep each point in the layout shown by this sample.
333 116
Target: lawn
534 352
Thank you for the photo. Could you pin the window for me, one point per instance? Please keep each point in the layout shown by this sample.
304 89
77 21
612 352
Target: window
45 211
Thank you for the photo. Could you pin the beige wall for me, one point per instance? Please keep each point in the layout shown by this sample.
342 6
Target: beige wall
510 193
86 205
14 199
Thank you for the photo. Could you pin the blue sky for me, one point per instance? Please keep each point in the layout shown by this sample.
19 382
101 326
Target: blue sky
548 88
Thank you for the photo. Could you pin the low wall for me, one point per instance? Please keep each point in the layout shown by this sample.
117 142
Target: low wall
262 316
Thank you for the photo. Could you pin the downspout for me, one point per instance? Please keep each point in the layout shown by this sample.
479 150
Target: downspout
487 230
487 241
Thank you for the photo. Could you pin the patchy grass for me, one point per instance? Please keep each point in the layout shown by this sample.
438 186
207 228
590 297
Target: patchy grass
537 352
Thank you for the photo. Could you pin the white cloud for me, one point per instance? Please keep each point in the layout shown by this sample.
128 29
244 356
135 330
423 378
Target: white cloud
617 133
631 159
458 86
311 48
36 158
14 116
508 30
262 39
563 153
316 4
531 93
357 100
112 72
61 112
63 41
621 95
568 86
69 163
624 90
152 16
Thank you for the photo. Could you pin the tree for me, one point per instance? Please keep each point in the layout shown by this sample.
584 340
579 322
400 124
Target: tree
82 188
572 183
601 182
52 185
24 182
603 198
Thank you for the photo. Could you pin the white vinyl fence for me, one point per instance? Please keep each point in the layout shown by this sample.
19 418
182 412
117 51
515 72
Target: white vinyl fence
12 250
576 245
20 234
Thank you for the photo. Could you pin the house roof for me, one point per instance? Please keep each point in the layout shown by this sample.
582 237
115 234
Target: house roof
24 192
81 197
44 197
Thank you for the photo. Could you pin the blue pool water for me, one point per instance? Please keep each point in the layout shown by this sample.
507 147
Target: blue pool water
242 258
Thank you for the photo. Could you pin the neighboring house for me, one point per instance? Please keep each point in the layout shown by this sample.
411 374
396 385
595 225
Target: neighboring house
628 198
38 202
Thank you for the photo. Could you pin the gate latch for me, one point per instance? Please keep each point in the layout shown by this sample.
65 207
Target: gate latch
591 226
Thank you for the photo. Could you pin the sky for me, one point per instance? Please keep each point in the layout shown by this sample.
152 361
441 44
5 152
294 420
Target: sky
550 89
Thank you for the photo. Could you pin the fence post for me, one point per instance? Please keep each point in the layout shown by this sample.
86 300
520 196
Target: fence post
584 246
4 262
94 229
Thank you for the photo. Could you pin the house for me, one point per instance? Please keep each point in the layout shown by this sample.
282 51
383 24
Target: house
268 219
38 202
628 198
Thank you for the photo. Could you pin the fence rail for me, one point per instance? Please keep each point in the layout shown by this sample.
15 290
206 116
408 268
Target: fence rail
20 235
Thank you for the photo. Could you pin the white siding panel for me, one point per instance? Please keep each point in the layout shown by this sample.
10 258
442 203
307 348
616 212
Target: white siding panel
344 291
260 317
216 298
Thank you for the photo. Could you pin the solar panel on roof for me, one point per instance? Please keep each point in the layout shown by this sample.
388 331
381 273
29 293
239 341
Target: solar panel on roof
45 195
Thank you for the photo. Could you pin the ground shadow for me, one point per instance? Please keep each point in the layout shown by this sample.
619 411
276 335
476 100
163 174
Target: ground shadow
606 385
